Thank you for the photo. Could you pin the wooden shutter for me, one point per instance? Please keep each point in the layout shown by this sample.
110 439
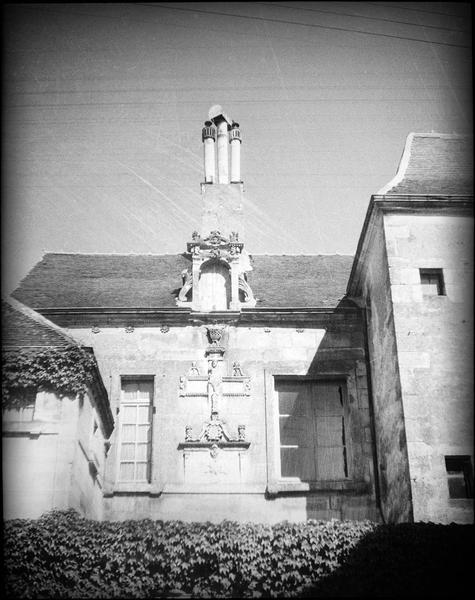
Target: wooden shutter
330 431
312 430
297 435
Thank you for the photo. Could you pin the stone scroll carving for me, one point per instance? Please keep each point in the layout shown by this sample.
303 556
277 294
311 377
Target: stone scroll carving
187 285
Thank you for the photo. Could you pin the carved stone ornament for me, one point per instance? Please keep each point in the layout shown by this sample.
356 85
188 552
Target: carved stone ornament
215 333
237 371
164 329
241 433
214 451
214 430
187 280
129 329
188 433
95 329
215 239
194 371
245 288
182 383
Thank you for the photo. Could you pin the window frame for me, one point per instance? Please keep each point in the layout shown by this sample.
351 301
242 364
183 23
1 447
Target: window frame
341 381
275 483
135 379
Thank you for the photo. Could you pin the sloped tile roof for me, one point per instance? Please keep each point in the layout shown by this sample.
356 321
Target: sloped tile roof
432 163
299 281
22 327
153 281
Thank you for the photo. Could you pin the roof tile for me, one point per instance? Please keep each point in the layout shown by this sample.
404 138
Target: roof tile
439 164
153 281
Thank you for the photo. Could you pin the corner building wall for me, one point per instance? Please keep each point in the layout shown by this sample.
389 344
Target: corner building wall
434 336
389 418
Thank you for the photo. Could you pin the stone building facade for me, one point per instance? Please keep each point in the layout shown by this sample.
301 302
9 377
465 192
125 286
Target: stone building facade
266 387
413 273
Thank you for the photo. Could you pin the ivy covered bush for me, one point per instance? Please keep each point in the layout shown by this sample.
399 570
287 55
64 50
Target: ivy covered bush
63 555
66 370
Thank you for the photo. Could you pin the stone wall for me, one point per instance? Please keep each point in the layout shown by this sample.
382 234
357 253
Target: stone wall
239 483
88 464
389 421
434 336
43 465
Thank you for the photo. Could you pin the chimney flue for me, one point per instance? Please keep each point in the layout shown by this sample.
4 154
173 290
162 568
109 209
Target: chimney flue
208 135
222 144
223 125
235 141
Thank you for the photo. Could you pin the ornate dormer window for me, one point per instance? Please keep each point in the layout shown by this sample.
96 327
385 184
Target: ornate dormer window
217 280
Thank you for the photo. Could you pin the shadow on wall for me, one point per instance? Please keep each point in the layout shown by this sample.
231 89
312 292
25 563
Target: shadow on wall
409 559
342 353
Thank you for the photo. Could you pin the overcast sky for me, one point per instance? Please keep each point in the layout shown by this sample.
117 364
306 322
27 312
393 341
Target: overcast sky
104 105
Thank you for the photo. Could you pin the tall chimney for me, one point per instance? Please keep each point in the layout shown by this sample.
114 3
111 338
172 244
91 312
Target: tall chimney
223 125
235 141
208 136
223 170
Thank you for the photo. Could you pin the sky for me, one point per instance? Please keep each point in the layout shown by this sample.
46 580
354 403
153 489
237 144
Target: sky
103 106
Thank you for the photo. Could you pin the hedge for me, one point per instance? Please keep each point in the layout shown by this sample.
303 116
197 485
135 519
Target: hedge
63 555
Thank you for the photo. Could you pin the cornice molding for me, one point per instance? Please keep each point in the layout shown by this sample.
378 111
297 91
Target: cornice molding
87 317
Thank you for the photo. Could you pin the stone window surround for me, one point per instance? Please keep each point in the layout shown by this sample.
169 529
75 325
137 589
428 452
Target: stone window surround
277 484
134 379
112 484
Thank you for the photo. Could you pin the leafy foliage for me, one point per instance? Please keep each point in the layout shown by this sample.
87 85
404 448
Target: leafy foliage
62 555
66 370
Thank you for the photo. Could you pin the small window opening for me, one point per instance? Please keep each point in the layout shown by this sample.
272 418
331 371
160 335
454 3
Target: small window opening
432 282
459 476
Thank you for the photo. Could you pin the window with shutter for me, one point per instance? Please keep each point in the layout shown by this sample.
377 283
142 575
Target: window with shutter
312 430
135 430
